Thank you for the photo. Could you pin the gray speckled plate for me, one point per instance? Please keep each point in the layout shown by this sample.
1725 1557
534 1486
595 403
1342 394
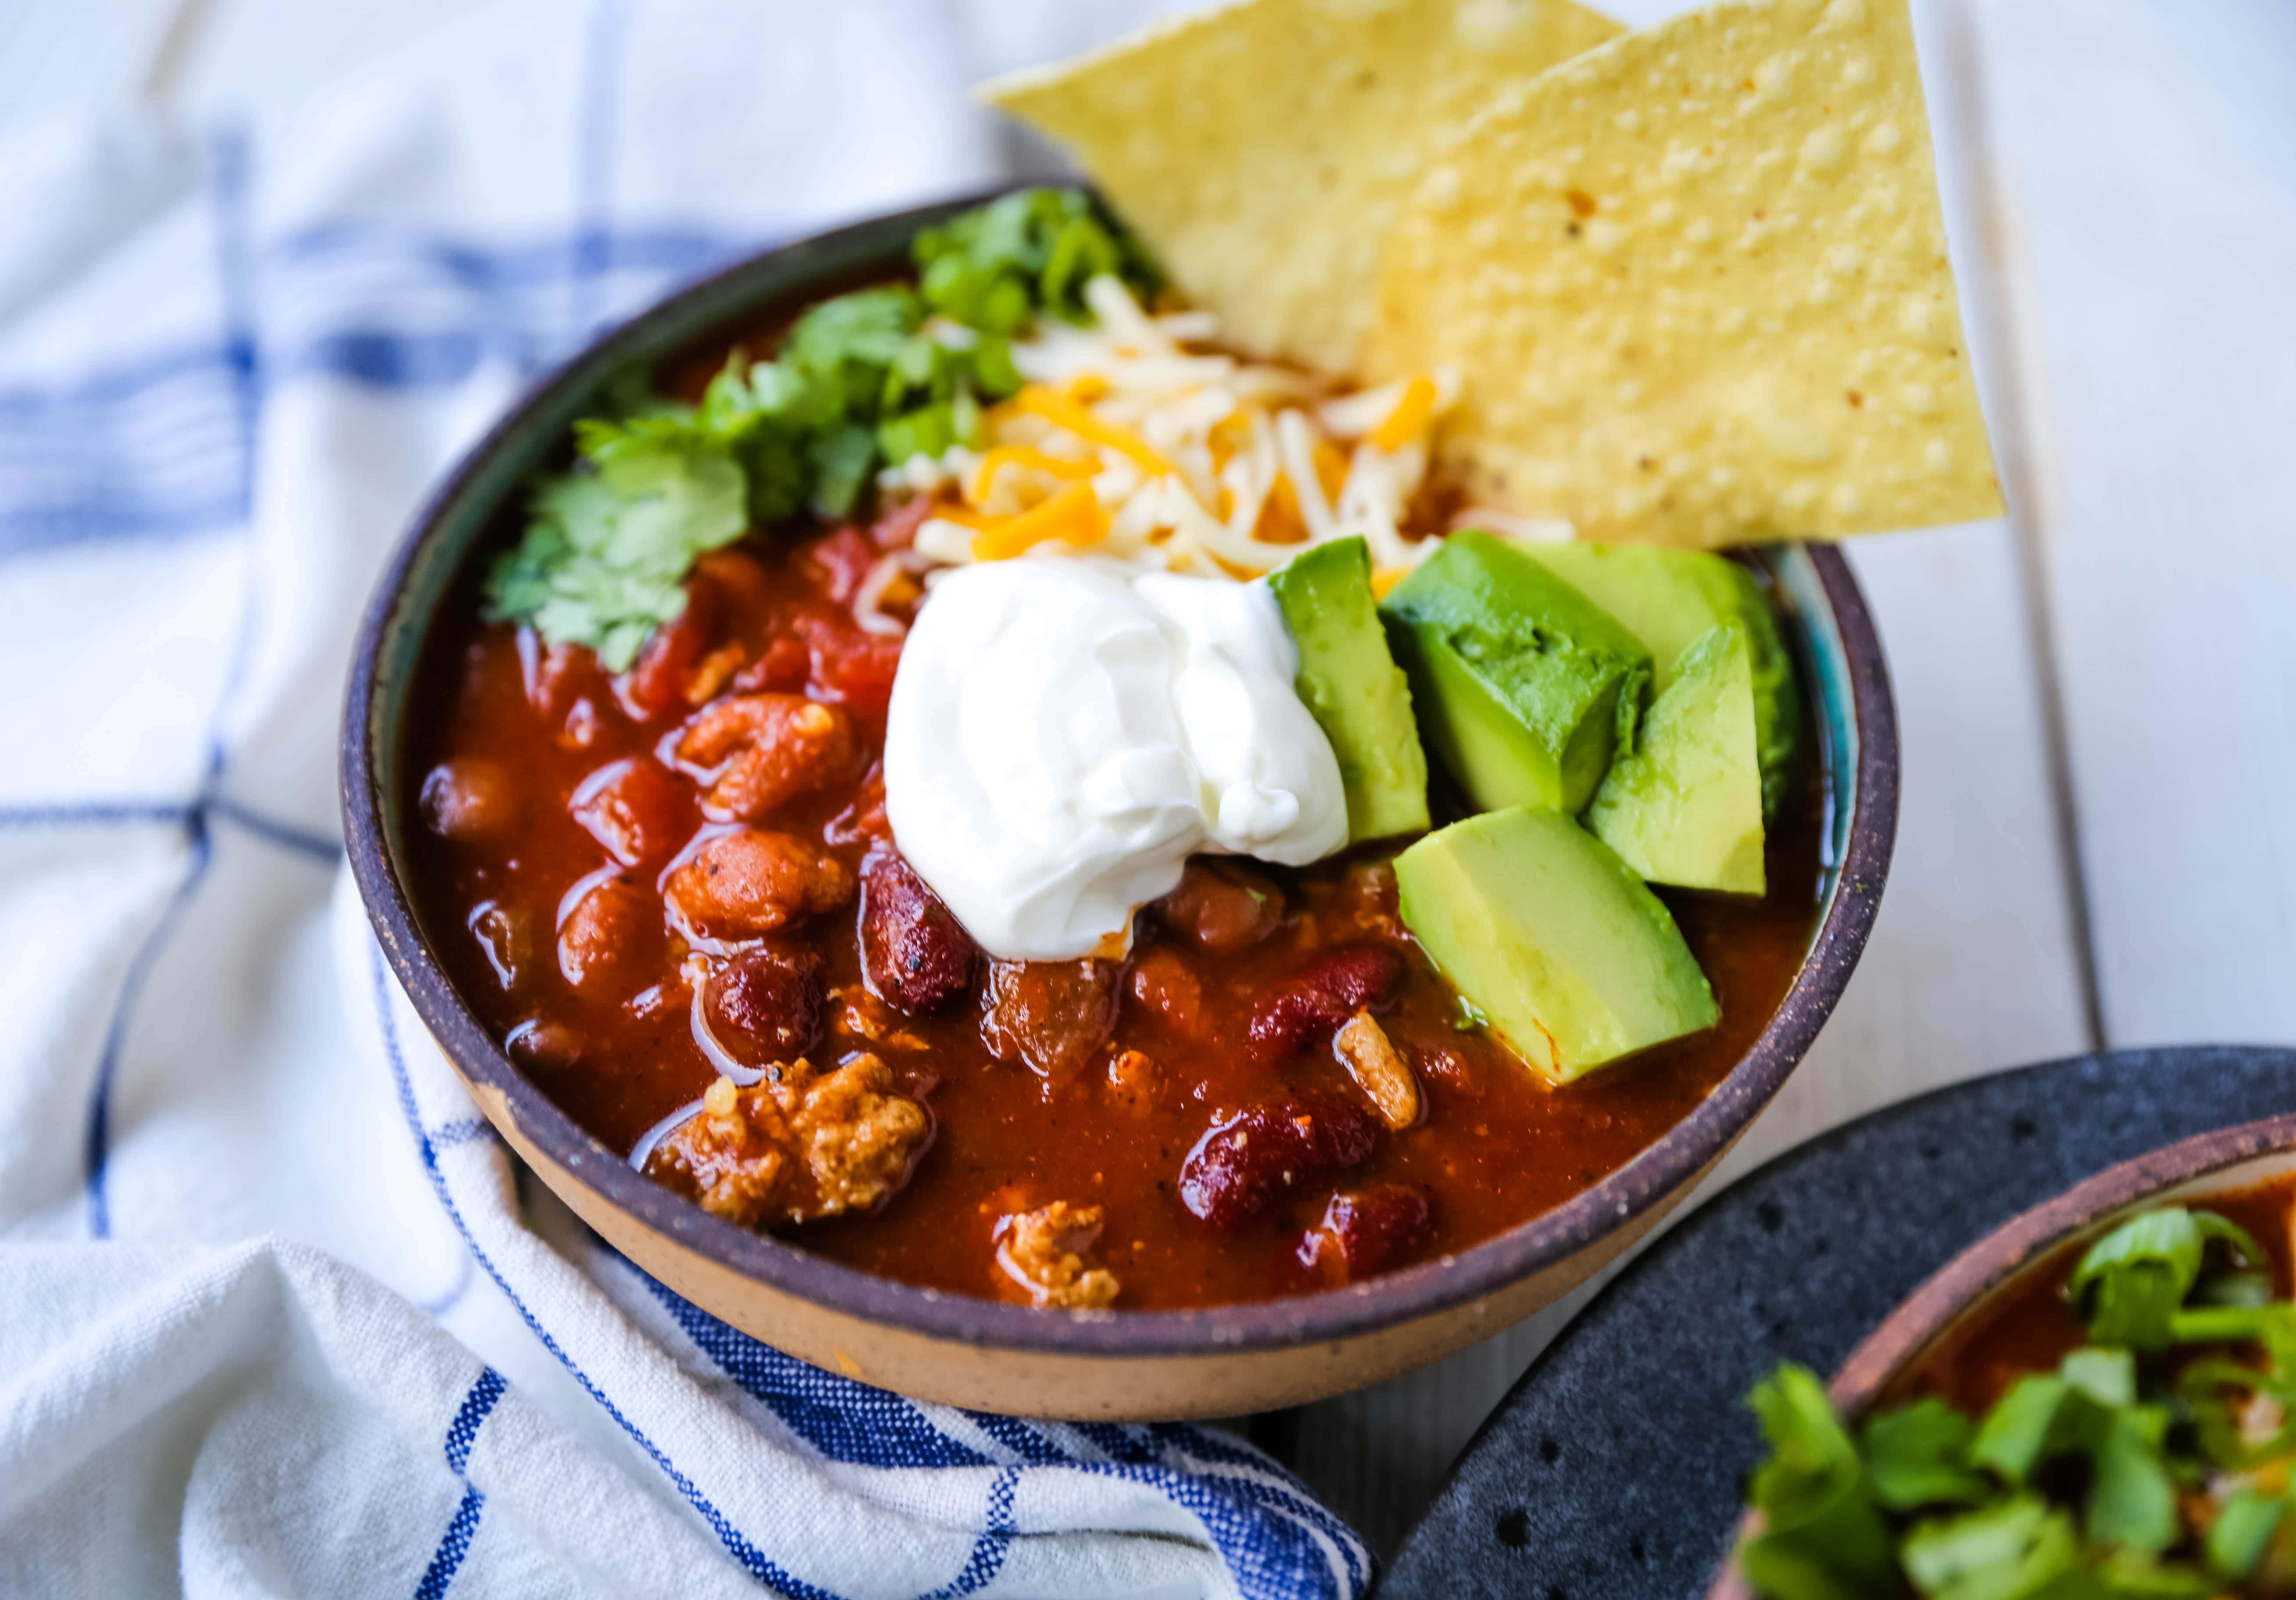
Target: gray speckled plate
1612 1470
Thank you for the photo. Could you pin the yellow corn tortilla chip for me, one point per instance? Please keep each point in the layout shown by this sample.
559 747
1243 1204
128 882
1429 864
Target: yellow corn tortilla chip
1695 281
1264 149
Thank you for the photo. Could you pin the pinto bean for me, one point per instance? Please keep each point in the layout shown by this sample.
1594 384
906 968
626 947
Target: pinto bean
547 1045
1366 1231
505 934
469 799
610 936
1379 1068
766 1006
635 809
1221 905
740 885
774 747
1053 1016
916 952
1321 998
1166 985
1244 1162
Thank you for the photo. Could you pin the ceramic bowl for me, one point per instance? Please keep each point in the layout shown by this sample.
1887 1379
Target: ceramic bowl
2003 1263
1220 1361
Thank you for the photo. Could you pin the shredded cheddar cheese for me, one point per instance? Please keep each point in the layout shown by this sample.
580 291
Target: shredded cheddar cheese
1134 441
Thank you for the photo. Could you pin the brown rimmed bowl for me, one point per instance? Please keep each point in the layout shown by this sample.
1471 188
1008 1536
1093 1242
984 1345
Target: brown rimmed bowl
1220 1361
1960 1295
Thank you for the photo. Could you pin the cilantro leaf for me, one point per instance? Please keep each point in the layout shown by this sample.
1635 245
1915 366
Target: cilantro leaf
1915 1455
2243 1528
606 552
1821 1524
1031 250
860 379
2130 1282
2020 1547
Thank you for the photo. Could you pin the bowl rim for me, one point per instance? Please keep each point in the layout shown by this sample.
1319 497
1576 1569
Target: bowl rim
1328 1315
1962 1286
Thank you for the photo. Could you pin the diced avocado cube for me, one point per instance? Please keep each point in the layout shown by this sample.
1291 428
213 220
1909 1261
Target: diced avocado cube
1351 685
1669 599
1684 806
1523 685
1550 936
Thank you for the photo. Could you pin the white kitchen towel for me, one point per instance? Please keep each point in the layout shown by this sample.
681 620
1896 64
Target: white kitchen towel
278 1314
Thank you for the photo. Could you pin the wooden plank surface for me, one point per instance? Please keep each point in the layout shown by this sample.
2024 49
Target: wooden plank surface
2147 159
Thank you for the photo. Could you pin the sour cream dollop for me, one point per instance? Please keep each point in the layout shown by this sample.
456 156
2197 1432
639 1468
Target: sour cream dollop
1064 734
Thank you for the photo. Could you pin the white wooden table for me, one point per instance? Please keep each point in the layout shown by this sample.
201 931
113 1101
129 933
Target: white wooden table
2097 695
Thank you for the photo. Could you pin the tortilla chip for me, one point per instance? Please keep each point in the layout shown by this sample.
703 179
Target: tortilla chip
1696 284
1264 149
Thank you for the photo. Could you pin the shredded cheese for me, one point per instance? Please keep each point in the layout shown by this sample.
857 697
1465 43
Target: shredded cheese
1132 440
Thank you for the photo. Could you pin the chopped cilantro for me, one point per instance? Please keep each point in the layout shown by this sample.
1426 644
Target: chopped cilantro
1027 252
2154 1464
861 380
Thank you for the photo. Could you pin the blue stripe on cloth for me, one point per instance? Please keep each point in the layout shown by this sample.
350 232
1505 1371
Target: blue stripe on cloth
453 1546
453 1297
98 1138
843 1420
753 1560
1274 1538
163 448
317 846
851 1422
78 814
464 1431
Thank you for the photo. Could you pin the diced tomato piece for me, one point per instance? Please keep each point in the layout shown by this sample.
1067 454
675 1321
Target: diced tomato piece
844 559
851 666
896 529
656 685
782 670
740 576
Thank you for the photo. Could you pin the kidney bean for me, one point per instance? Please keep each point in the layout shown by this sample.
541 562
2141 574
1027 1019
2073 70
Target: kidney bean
1320 998
916 952
1365 1231
1221 905
765 1004
635 809
469 799
1245 1162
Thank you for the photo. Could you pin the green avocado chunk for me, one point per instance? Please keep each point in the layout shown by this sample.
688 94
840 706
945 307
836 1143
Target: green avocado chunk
1573 961
1523 685
1684 806
1669 599
1351 685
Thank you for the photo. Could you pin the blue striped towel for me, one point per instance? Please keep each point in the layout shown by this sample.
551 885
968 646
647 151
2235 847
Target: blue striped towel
283 1315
